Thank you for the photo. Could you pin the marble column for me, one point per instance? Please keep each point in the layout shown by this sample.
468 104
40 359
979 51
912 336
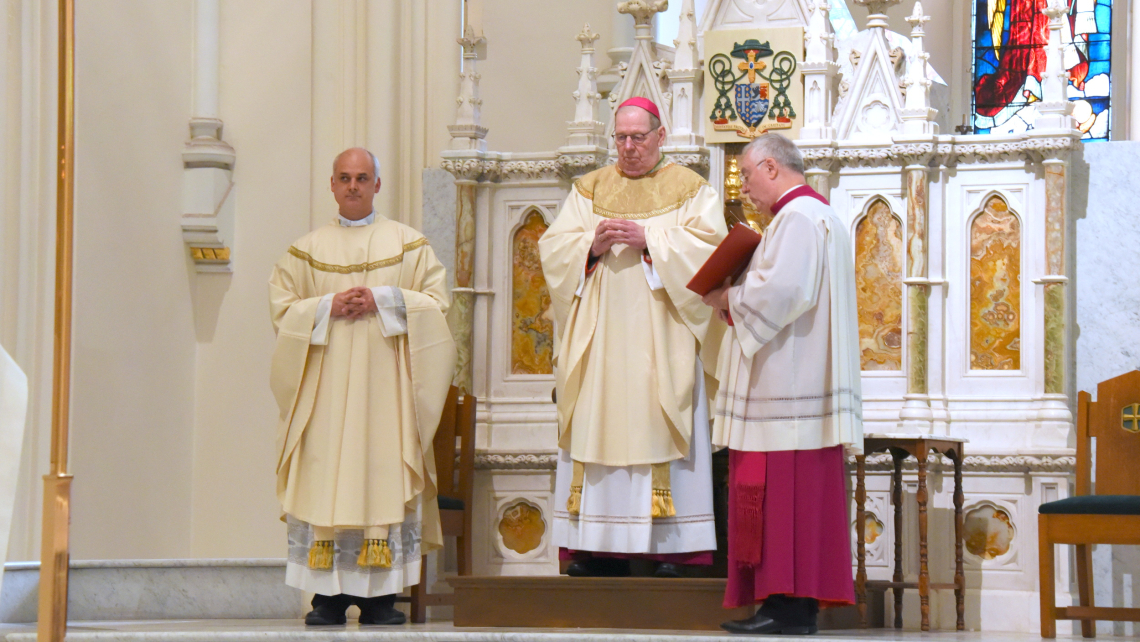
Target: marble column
1055 281
460 318
819 179
916 415
1134 84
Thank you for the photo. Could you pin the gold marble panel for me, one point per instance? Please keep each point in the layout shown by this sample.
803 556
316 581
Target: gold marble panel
532 328
989 532
878 280
995 288
522 527
873 529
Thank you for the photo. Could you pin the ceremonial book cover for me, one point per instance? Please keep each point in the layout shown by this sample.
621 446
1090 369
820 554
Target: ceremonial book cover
730 259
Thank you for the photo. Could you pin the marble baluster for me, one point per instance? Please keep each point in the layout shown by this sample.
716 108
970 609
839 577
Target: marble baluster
916 415
462 313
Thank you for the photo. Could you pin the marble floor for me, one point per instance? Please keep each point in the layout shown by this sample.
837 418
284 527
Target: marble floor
295 631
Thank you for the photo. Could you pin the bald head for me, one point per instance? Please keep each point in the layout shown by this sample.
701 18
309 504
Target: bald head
355 182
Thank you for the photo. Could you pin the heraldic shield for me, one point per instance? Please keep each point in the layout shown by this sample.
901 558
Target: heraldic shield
752 103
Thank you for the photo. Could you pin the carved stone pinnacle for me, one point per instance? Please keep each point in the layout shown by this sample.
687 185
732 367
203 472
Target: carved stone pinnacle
644 10
587 36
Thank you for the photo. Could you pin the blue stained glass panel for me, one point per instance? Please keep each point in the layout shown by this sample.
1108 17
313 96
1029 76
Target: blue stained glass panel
1009 60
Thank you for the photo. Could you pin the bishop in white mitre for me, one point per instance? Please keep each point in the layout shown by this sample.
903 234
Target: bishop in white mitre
361 371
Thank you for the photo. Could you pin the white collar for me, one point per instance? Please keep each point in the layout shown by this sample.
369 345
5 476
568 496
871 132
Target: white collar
786 193
367 220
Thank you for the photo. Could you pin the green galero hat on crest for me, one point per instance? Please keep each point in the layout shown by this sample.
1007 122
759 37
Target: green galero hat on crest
762 49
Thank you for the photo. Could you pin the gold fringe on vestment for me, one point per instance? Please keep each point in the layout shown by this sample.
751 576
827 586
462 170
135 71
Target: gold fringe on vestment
321 554
574 503
375 553
662 493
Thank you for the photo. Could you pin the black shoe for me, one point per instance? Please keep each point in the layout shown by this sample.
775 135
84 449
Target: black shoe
380 610
761 624
666 569
328 610
599 567
780 614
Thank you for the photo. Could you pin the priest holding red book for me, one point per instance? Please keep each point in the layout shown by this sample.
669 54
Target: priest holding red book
789 403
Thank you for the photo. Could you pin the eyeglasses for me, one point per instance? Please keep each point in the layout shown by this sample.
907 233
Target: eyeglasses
636 139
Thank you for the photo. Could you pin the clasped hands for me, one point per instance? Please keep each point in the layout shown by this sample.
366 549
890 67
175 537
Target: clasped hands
615 231
353 303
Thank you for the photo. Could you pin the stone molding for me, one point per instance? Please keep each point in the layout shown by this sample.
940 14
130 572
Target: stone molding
516 461
943 152
879 462
827 156
563 166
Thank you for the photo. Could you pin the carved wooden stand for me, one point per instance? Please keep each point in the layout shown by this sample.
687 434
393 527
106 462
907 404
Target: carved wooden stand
901 447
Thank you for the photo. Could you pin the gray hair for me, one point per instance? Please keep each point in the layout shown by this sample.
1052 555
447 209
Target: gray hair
375 161
777 147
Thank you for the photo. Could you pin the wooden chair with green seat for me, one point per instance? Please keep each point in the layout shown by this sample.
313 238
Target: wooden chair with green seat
1111 516
456 489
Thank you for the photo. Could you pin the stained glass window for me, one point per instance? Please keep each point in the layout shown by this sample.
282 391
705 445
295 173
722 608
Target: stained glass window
1086 35
1010 37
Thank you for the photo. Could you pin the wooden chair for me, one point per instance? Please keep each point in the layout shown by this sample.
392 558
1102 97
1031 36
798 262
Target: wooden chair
456 490
1111 516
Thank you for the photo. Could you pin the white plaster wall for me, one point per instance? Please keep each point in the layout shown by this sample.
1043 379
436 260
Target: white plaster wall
528 76
134 345
1108 303
234 504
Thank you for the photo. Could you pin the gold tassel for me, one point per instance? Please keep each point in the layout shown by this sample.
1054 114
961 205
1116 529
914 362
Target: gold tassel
375 553
574 504
662 494
663 504
321 554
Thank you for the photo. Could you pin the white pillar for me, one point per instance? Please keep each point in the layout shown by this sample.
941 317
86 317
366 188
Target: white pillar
207 212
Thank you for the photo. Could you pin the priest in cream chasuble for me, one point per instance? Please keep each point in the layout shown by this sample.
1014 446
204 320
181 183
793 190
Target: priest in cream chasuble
361 370
634 476
789 404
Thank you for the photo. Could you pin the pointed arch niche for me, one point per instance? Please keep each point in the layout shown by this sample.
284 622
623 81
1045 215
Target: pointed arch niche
995 287
532 321
878 281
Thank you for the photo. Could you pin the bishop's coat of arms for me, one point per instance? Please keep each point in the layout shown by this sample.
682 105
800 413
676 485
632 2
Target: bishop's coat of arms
752 95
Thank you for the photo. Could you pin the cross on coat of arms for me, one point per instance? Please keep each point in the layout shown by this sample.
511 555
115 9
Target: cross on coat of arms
748 106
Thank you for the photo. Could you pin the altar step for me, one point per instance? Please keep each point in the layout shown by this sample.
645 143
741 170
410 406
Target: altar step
158 590
684 604
295 631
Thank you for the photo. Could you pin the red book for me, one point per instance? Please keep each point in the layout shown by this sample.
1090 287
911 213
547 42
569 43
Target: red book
730 259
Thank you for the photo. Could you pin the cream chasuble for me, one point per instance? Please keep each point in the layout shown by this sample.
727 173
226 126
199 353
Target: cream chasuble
790 375
358 415
631 387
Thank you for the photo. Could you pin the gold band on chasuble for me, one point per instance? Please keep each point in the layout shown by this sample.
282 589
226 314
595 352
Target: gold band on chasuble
359 267
615 195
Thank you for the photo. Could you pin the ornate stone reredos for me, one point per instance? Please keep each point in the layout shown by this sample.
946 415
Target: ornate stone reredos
749 14
871 110
645 74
